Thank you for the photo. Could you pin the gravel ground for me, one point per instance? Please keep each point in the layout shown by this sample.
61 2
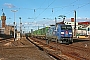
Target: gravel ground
82 44
21 50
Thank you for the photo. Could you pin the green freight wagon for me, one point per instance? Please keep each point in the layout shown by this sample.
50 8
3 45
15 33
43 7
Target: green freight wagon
40 33
34 33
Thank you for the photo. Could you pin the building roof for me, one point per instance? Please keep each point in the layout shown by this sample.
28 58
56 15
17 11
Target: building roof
83 23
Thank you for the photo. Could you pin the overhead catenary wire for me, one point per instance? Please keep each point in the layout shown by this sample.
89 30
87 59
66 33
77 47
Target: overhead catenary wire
71 4
41 8
42 4
83 5
63 7
37 8
77 8
45 9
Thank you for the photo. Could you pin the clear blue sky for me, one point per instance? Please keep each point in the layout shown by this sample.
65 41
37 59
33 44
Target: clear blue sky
39 9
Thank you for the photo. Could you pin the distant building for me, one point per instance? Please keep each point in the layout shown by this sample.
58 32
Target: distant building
9 30
83 23
82 28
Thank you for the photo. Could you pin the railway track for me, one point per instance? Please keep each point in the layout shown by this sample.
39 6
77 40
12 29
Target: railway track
25 51
9 43
49 49
61 50
79 48
4 41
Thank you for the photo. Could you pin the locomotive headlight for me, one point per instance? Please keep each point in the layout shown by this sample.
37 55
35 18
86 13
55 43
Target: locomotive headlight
70 32
62 32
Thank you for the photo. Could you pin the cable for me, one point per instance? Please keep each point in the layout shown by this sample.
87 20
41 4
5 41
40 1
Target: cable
77 8
42 3
83 5
64 6
45 9
67 5
53 7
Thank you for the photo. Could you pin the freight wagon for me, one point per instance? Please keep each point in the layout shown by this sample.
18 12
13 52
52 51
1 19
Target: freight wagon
60 33
40 33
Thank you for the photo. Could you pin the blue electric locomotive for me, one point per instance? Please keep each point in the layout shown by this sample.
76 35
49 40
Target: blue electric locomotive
61 33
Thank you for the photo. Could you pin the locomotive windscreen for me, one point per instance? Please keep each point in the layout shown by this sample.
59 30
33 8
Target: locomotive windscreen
66 27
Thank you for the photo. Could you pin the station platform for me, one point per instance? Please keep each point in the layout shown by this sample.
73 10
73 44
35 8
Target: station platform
22 50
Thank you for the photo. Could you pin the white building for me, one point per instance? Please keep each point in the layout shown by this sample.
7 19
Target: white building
82 28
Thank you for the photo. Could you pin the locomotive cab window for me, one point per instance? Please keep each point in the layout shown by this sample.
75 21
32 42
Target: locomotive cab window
68 27
63 27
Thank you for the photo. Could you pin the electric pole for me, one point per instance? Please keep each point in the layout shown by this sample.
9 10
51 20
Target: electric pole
20 28
14 22
75 24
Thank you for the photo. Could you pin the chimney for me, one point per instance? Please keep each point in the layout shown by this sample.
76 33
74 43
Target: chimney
72 19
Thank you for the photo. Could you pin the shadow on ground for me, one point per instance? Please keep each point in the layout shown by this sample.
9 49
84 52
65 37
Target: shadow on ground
80 40
4 36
